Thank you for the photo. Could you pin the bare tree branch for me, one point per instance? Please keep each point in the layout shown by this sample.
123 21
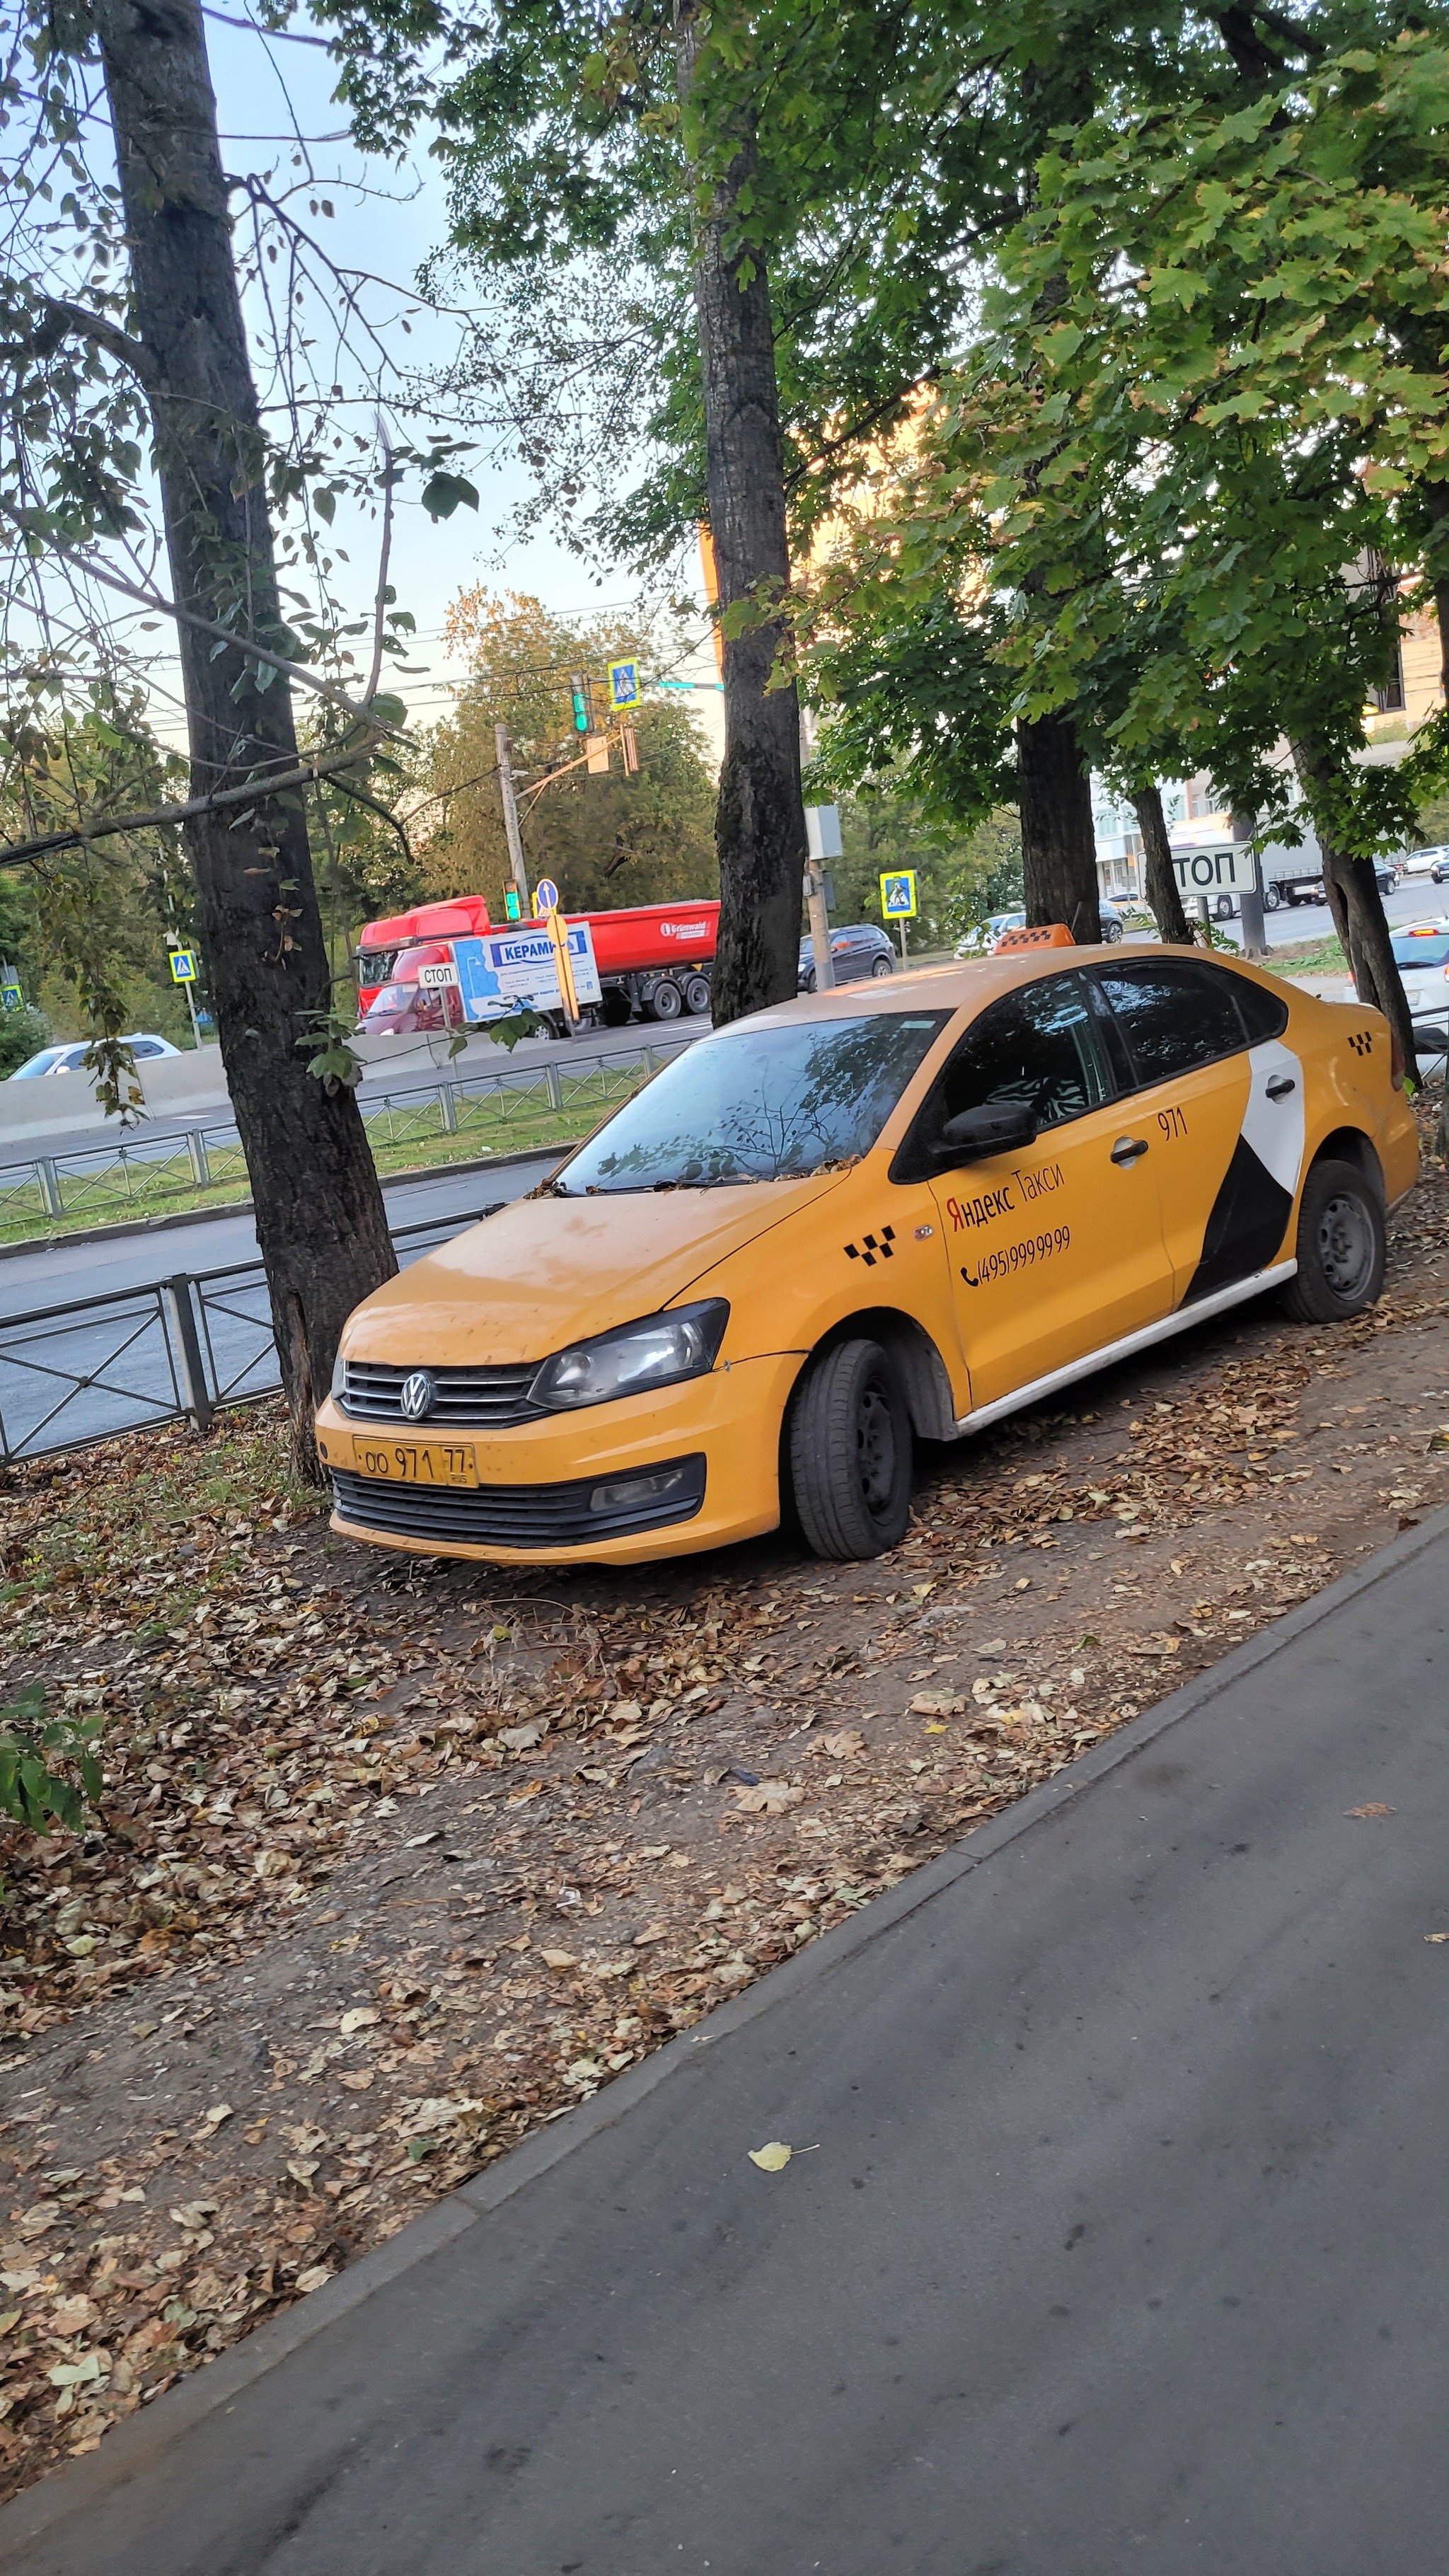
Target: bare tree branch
254 792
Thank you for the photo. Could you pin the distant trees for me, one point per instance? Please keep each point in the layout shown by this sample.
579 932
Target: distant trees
607 841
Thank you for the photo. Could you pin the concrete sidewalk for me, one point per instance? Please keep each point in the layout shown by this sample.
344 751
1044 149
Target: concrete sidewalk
1122 2246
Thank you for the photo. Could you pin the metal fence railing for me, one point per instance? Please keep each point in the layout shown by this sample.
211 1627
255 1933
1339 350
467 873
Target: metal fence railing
493 1112
178 1350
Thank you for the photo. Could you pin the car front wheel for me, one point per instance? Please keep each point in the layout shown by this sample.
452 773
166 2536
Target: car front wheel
1341 1245
882 966
850 1453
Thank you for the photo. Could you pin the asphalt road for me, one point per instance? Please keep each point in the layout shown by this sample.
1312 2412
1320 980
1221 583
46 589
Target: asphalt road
1121 2244
57 1273
110 1369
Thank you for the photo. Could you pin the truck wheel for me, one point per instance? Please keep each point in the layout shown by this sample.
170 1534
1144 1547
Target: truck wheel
1271 898
850 1453
666 1001
1340 1246
1224 907
696 994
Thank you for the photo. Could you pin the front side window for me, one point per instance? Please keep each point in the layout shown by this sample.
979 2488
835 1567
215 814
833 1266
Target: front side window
1037 1049
1173 1017
758 1104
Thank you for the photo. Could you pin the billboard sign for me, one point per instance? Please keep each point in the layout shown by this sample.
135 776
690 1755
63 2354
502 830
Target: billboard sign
510 968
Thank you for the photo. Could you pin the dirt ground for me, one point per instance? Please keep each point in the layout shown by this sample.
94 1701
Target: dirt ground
399 1859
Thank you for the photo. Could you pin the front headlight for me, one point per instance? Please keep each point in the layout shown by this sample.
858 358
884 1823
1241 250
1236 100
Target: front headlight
658 1351
338 1367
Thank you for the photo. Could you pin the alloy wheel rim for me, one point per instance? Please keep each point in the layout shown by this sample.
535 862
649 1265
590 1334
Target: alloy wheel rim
875 1449
1345 1246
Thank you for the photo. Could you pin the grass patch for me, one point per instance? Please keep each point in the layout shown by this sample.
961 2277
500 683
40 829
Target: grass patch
1313 957
555 1108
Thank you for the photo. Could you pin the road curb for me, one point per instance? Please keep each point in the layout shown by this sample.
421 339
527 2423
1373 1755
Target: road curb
142 2438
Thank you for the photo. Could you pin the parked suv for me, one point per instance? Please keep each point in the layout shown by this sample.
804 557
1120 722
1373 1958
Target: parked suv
861 949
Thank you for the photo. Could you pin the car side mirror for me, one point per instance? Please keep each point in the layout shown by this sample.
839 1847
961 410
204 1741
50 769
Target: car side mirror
994 1128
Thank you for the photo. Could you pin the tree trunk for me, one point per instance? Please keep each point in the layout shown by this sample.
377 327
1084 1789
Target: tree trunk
319 1212
1164 894
1357 907
1058 845
760 819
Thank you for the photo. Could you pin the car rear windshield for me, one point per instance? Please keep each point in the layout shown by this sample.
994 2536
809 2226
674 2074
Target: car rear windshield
758 1104
1433 951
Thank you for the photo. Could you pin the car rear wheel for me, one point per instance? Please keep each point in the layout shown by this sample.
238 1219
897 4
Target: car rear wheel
1341 1244
1111 927
696 994
666 1001
850 1453
882 966
1224 907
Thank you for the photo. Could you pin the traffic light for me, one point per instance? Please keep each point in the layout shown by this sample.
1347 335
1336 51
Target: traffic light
512 904
579 688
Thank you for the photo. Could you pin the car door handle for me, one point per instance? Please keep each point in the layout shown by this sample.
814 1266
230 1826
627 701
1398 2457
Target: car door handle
1280 1086
1129 1149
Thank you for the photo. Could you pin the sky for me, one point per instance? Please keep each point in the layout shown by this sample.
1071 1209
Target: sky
271 92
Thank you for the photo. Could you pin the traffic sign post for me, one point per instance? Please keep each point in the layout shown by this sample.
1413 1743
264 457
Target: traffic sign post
184 968
898 899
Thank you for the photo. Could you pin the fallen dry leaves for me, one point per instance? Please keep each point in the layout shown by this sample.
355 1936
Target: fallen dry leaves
399 1860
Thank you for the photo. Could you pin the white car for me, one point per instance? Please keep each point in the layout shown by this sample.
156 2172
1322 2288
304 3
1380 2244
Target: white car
71 1058
1421 953
1425 863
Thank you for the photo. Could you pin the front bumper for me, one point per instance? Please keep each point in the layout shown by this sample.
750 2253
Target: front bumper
534 1476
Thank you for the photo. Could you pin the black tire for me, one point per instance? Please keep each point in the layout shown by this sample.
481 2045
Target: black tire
809 984
1341 1245
1225 907
696 994
1111 927
850 1453
1271 898
883 966
666 1001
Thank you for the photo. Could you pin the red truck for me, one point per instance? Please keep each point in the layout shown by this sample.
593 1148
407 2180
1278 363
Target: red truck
654 959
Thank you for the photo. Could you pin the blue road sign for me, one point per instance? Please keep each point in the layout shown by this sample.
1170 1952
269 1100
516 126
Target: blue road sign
545 896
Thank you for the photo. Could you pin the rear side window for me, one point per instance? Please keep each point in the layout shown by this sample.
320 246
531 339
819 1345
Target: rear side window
1173 1017
1265 1014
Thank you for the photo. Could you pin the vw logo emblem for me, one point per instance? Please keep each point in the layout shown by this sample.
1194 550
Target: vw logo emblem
418 1391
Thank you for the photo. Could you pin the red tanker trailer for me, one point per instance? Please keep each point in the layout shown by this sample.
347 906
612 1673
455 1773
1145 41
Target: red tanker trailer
653 959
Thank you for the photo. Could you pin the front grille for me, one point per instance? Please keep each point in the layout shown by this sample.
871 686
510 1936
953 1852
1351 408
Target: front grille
488 1398
515 1515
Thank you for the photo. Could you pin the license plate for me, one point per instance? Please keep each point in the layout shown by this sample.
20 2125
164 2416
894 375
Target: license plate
418 1462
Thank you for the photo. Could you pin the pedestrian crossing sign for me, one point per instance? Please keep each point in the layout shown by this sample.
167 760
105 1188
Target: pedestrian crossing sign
623 685
183 965
898 895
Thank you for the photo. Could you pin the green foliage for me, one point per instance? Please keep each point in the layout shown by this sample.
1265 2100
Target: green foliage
606 841
22 1034
49 1772
961 876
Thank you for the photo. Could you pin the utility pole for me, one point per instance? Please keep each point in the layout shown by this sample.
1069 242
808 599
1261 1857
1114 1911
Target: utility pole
822 840
510 819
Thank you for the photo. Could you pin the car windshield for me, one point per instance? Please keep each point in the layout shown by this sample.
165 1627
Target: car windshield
758 1104
393 997
1425 949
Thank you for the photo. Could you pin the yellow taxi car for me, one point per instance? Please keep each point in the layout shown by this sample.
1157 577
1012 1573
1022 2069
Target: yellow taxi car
902 1208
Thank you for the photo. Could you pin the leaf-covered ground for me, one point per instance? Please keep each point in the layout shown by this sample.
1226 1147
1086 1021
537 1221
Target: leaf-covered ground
400 1859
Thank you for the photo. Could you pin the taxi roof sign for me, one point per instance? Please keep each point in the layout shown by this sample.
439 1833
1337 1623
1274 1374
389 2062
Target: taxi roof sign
1051 934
